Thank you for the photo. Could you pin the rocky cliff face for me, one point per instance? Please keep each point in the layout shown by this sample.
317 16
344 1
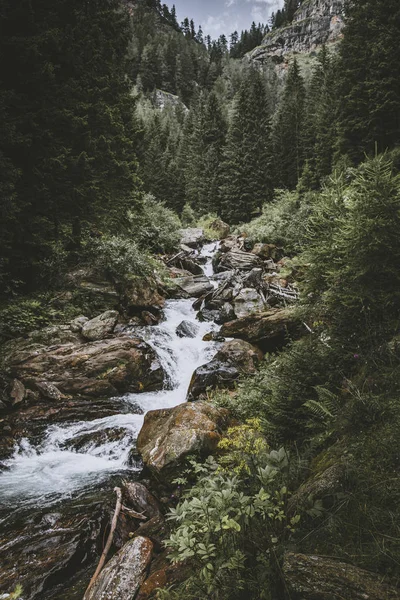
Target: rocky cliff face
316 22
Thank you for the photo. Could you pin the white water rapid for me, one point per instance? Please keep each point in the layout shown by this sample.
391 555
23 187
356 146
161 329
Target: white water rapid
72 457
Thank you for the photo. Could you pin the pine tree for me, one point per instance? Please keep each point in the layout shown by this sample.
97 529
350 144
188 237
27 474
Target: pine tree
320 121
247 158
289 130
203 170
369 75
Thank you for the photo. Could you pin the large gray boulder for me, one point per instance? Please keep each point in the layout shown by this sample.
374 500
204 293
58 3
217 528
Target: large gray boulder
169 435
101 368
193 287
238 259
100 327
248 302
123 575
268 329
192 237
320 578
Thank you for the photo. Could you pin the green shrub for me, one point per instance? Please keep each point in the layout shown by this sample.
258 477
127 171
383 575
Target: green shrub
157 227
283 222
119 257
205 222
233 527
22 316
188 216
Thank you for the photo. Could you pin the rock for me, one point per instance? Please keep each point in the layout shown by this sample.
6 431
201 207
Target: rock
137 496
267 251
323 486
213 375
268 329
49 391
149 318
163 575
247 302
124 573
192 237
315 23
101 326
226 313
169 435
77 324
230 243
18 392
253 279
237 259
187 329
86 441
194 287
46 546
244 356
317 578
142 293
209 315
221 229
92 286
102 368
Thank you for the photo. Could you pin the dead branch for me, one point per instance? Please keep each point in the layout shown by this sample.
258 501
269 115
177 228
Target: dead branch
107 547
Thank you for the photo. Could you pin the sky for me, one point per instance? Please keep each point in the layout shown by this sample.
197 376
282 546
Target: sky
225 16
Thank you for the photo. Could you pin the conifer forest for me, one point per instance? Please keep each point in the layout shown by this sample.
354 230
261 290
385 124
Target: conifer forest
199 302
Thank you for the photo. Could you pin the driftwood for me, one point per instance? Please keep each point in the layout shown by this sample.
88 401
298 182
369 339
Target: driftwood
133 514
107 547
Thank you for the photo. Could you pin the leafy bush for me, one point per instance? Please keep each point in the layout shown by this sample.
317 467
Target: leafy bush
232 527
156 228
205 222
22 316
354 256
119 257
188 216
283 222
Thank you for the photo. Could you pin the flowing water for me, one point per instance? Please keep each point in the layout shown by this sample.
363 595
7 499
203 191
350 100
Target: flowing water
72 457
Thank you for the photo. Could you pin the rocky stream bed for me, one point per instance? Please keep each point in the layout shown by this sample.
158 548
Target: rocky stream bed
89 403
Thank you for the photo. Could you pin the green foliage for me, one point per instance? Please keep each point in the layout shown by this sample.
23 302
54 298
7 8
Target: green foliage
357 293
188 217
119 257
247 172
22 316
288 132
283 222
156 228
204 223
368 74
232 527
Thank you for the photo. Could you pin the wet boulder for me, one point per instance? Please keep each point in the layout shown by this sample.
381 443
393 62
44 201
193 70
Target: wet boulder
267 251
77 324
192 237
100 327
168 436
101 368
318 578
247 302
142 293
269 329
48 545
237 259
234 358
244 356
124 573
137 496
187 329
221 228
213 375
194 287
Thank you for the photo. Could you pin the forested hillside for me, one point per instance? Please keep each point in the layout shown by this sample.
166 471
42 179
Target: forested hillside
162 192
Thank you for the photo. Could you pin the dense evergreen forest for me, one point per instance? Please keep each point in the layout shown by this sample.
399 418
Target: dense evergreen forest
118 126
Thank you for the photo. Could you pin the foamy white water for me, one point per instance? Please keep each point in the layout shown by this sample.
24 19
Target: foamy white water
74 456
